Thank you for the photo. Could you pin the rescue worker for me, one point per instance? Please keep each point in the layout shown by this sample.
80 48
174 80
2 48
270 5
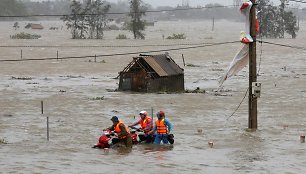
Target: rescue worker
146 124
163 128
122 132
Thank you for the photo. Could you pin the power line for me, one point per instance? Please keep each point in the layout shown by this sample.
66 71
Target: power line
246 92
283 45
201 45
298 1
136 46
120 54
101 46
112 13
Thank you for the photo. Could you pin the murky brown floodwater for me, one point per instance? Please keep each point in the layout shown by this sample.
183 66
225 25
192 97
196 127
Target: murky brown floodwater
67 88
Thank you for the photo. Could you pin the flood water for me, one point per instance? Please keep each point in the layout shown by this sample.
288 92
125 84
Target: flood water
69 90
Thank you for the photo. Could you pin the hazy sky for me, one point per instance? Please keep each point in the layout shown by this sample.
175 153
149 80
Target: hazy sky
174 3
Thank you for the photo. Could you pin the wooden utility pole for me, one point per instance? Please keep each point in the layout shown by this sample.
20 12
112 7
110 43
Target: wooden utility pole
252 69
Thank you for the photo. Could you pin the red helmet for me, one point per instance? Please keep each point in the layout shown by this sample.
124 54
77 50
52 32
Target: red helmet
160 114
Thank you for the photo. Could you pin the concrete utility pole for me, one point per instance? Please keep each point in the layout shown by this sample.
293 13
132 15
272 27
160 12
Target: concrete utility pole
252 69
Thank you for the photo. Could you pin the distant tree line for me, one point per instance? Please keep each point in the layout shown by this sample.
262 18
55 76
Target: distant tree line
11 7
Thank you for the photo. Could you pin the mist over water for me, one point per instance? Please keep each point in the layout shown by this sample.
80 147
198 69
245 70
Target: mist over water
68 88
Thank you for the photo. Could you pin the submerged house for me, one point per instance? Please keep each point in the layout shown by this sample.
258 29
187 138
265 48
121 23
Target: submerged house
34 26
152 73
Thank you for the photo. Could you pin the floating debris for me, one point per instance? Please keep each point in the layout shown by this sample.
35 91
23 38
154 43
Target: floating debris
197 90
200 131
32 83
71 76
192 65
111 90
3 141
21 78
217 69
7 115
98 98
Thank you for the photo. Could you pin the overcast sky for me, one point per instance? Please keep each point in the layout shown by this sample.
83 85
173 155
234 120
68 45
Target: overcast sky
174 3
194 3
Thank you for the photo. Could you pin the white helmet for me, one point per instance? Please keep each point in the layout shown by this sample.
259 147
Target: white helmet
143 113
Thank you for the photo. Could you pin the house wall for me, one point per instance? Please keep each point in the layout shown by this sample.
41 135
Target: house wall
138 82
135 81
167 84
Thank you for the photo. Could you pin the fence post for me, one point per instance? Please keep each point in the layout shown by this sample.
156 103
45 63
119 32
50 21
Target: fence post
183 59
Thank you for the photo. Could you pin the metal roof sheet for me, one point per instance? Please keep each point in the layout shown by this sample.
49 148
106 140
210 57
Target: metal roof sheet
163 65
157 68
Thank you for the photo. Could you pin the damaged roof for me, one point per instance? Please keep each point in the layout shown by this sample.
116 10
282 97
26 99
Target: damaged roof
163 65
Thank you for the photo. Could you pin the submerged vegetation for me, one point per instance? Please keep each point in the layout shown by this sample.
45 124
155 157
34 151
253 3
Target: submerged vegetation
121 36
23 35
177 36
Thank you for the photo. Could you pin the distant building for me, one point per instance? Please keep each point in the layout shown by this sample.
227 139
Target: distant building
152 73
34 26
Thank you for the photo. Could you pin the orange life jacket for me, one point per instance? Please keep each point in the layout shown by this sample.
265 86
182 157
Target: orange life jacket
161 127
143 123
118 130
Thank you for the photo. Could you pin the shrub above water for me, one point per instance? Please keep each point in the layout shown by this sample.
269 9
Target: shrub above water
177 36
23 35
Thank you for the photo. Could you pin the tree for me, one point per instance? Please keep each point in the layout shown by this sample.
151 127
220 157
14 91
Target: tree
96 17
90 19
275 21
136 25
291 24
75 21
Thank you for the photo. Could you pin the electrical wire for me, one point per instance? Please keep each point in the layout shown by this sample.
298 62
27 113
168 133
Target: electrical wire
239 104
283 45
298 1
100 46
120 54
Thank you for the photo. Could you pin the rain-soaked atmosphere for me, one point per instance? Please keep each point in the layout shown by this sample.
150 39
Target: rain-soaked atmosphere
79 98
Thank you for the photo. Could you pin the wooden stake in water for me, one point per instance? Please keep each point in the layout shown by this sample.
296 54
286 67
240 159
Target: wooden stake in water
42 112
213 24
48 128
20 54
183 59
42 107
